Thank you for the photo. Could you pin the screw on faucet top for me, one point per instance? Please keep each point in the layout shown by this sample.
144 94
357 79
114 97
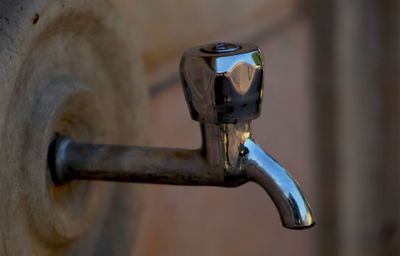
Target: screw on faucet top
220 47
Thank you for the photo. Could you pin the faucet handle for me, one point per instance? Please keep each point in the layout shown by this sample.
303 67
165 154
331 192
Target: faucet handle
223 82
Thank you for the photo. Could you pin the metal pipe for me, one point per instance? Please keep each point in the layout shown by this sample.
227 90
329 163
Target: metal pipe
228 158
71 160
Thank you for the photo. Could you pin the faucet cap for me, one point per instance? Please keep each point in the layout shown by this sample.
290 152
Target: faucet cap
223 82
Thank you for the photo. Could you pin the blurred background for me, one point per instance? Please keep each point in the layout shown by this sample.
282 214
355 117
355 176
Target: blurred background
331 116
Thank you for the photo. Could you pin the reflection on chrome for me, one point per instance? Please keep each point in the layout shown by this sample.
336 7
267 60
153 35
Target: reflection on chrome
261 168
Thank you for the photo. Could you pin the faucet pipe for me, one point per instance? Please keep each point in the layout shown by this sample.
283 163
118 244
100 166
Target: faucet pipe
228 158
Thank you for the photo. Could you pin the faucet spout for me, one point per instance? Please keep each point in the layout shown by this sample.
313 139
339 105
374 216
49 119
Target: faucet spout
294 210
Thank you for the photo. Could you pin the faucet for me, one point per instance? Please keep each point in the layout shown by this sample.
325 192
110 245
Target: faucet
223 87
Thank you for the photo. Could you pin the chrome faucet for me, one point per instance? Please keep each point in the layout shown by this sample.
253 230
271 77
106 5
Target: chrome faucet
223 87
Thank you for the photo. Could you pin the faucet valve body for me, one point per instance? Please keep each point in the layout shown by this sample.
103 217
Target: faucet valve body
223 87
